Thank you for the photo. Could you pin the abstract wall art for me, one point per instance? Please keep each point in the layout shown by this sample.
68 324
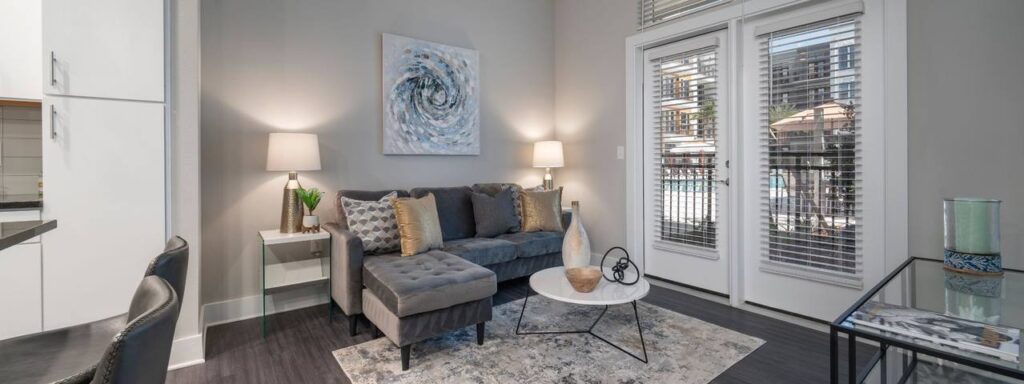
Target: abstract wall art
431 98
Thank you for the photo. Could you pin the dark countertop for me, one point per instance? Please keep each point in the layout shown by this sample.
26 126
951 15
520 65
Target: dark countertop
14 232
20 201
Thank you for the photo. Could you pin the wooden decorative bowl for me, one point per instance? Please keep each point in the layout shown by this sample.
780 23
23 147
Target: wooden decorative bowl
583 279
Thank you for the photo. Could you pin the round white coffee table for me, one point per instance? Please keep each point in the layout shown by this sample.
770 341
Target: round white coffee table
553 284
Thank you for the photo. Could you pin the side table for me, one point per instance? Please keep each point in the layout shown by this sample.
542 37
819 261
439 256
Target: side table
279 276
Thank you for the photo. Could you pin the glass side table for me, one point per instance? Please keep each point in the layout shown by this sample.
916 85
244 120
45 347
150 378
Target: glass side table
927 319
294 272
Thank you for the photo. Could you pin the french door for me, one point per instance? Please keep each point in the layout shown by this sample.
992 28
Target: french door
686 162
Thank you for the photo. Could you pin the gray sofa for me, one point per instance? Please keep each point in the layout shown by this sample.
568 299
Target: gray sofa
509 256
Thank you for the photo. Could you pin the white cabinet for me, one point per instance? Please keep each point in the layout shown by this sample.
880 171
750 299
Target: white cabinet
104 176
103 48
21 286
21 279
20 43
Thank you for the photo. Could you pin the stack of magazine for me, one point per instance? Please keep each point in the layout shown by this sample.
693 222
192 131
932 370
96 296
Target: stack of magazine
947 331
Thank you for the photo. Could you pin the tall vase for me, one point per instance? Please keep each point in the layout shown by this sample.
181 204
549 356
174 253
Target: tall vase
576 244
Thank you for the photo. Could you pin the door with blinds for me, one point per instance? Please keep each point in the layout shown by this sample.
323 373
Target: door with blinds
686 163
814 237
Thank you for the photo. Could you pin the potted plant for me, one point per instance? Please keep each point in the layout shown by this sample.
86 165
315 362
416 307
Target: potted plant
310 198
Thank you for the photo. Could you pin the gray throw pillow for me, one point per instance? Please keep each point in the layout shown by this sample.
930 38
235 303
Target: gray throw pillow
492 189
494 215
374 222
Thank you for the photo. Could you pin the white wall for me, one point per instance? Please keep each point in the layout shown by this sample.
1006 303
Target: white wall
21 46
185 172
590 107
314 66
966 115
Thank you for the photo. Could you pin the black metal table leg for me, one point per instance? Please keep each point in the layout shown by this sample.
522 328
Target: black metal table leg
523 312
639 330
833 365
636 314
885 373
852 358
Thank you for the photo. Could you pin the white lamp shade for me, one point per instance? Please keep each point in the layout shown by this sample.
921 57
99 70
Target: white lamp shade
548 154
293 152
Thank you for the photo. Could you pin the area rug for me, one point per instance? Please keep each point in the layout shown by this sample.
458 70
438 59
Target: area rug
681 349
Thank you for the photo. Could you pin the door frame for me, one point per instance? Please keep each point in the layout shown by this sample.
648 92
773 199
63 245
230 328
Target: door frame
700 257
732 17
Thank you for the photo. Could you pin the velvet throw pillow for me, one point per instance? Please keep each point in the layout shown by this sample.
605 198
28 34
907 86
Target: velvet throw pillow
542 211
418 224
491 189
373 222
494 215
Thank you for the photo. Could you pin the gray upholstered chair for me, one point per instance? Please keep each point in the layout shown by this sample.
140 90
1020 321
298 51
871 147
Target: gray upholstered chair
56 354
139 353
172 265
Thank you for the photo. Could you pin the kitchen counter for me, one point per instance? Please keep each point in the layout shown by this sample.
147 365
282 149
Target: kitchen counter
14 232
20 201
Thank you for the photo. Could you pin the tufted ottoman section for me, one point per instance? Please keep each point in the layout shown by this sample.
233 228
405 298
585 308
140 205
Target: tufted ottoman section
426 282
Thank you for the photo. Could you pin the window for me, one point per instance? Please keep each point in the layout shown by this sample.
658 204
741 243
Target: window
653 12
685 148
810 139
844 57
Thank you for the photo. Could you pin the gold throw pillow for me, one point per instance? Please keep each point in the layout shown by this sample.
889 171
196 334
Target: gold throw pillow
542 211
418 224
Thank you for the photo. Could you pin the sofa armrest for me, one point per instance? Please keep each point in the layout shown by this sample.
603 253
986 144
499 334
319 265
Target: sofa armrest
346 269
566 218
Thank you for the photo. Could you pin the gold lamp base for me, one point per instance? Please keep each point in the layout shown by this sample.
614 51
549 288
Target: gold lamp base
291 207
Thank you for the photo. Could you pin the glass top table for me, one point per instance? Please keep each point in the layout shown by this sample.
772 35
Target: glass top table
921 307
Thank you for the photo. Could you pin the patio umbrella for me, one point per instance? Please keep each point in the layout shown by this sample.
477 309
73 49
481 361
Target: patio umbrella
832 115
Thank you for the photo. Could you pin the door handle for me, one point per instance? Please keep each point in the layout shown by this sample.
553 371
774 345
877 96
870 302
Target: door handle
53 119
725 181
53 61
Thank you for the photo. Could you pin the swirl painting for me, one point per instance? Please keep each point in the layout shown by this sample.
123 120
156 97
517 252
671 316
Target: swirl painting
431 98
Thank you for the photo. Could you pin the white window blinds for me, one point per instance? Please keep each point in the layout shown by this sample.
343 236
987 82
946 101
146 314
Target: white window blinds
685 131
811 149
653 12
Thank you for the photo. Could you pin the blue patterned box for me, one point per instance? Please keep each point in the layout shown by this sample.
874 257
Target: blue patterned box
972 263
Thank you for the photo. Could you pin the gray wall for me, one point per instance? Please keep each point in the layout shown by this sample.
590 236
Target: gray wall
314 66
966 133
966 115
590 105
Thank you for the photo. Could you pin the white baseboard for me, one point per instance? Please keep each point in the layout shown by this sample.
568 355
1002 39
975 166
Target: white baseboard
248 307
186 351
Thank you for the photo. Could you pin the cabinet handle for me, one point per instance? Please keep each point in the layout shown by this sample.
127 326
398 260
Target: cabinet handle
53 79
53 118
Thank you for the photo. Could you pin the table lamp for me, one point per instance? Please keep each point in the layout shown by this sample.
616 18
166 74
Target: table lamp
292 152
547 155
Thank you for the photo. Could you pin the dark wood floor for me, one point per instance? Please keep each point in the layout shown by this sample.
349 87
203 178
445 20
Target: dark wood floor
299 344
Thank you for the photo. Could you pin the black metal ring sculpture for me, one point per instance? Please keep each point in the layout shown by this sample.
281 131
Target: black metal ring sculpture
620 267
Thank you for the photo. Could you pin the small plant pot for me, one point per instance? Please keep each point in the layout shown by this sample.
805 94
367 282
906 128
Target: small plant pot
310 224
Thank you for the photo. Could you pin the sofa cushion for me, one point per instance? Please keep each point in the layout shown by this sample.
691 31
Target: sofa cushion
494 215
492 189
361 196
426 282
454 208
374 222
418 225
482 251
530 244
542 211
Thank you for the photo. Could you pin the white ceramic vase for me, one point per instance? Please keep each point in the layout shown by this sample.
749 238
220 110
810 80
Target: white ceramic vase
576 244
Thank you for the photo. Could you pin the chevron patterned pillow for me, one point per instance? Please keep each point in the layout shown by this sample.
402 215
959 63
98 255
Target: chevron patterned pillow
374 222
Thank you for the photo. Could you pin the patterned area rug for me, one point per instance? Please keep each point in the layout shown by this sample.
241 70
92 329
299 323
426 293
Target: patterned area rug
681 349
